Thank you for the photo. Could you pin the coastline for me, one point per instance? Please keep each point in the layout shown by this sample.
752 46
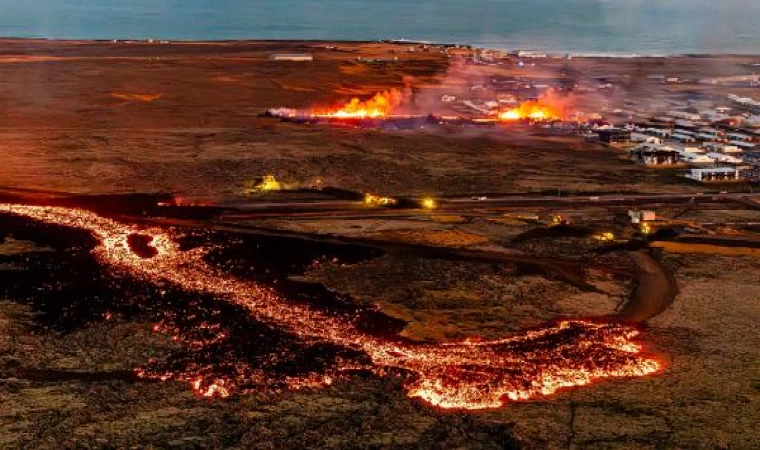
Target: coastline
547 53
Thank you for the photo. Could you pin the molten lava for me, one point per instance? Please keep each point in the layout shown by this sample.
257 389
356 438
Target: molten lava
531 110
460 375
381 105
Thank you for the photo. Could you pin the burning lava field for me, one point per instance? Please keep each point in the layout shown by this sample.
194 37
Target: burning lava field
204 247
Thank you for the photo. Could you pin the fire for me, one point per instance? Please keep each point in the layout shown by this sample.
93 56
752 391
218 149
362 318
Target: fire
460 375
377 200
531 110
381 105
429 203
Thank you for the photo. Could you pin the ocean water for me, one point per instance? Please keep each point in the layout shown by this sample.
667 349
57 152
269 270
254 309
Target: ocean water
660 27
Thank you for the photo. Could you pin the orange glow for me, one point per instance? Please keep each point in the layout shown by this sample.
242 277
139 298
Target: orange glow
531 110
460 375
381 105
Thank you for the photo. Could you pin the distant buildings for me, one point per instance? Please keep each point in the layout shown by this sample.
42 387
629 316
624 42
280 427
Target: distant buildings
291 57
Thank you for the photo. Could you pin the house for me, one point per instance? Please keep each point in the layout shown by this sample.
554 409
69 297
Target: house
640 137
688 149
721 147
739 137
743 145
654 154
685 132
707 137
712 174
683 138
722 157
713 132
695 158
661 132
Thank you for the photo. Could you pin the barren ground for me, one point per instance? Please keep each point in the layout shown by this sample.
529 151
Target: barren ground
97 117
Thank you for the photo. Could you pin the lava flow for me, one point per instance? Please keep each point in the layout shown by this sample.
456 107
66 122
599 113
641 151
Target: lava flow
462 375
380 105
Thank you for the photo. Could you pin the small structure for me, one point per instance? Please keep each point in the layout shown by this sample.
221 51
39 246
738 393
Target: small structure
640 216
713 174
292 57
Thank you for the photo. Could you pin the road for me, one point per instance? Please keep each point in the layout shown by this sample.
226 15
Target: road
656 288
461 205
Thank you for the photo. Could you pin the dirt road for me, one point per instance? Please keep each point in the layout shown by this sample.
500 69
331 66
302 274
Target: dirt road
655 290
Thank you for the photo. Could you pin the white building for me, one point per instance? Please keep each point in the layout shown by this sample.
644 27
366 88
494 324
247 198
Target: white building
291 57
722 157
713 174
683 115
722 148
743 145
689 149
695 158
661 132
640 137
683 138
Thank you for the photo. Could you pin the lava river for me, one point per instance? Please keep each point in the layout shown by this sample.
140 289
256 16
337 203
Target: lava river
461 375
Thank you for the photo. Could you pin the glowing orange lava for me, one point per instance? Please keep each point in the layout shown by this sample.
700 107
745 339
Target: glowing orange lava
381 105
531 110
462 375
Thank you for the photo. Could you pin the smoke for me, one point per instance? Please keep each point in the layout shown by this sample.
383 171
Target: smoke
478 84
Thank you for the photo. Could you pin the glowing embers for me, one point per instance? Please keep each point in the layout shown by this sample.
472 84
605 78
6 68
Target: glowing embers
380 105
465 375
531 110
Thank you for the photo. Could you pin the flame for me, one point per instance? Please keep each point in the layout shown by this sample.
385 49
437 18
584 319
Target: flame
380 105
378 200
531 110
459 375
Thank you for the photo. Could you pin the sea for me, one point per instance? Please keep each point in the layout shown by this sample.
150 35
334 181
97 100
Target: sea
614 27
